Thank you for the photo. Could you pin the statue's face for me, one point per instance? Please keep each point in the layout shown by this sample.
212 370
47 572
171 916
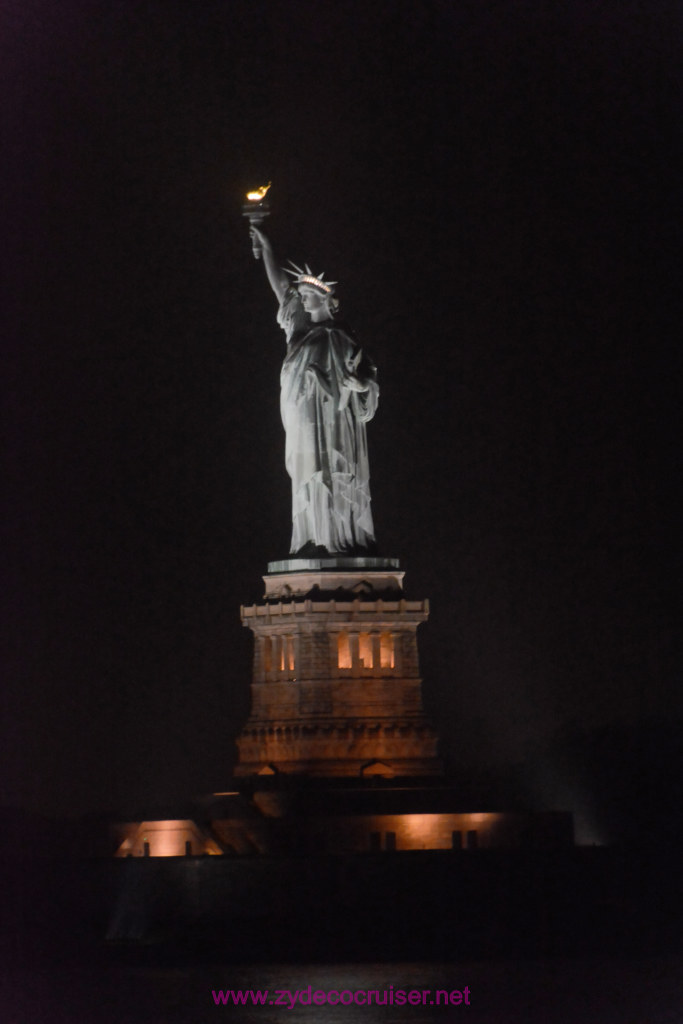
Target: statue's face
311 299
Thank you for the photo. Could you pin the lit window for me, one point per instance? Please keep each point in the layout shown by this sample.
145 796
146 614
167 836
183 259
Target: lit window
386 650
365 650
284 653
289 653
343 651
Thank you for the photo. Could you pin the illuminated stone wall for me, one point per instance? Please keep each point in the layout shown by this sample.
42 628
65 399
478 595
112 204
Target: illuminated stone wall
279 833
336 687
386 833
179 837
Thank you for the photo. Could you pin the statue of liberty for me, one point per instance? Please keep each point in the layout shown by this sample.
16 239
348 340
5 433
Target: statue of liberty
328 393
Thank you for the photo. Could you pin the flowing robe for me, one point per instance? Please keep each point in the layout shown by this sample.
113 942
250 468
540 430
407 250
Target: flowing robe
326 451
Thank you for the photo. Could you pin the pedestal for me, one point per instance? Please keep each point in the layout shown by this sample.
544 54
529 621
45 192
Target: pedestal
336 688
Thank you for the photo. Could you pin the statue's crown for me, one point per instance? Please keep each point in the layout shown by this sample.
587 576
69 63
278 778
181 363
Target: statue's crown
308 277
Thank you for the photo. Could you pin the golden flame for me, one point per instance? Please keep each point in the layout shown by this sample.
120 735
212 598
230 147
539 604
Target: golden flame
258 194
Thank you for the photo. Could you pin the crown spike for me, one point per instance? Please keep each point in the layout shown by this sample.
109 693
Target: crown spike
308 277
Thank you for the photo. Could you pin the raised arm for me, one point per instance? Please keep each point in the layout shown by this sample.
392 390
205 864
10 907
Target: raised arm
276 276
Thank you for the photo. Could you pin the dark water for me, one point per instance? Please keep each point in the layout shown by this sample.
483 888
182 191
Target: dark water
600 945
563 991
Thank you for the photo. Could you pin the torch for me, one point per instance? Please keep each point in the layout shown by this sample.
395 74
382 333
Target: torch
256 208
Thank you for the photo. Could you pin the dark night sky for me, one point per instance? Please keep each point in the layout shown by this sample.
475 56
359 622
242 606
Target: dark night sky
495 186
